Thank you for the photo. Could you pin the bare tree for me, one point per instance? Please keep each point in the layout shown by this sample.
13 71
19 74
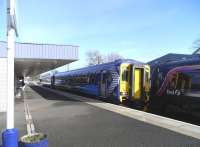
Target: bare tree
94 57
196 46
112 57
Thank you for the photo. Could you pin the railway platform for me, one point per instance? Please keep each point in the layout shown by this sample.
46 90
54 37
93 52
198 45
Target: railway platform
77 121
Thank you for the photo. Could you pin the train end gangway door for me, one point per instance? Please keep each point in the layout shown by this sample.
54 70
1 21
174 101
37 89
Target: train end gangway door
137 83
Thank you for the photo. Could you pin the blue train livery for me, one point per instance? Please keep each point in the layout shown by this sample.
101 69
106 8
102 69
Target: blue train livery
120 81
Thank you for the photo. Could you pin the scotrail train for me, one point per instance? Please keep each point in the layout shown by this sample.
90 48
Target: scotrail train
176 84
121 81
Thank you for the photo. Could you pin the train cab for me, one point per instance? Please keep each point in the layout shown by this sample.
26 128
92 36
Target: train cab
135 83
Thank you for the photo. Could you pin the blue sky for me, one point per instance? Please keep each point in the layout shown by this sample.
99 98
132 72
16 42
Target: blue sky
136 29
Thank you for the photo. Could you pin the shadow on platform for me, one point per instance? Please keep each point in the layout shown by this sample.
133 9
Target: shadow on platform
51 95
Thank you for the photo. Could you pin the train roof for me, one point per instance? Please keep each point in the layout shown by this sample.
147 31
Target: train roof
192 61
99 67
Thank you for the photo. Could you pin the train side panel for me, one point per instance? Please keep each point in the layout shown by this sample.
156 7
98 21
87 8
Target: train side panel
176 85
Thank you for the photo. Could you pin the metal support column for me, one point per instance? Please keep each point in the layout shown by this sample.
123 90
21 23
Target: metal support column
10 135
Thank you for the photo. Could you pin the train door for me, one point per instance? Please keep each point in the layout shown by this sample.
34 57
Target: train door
137 83
103 84
125 70
147 83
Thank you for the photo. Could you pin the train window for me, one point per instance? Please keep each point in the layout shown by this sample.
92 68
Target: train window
125 75
79 79
160 76
183 81
92 79
97 78
84 79
109 77
95 81
147 77
88 79
104 78
179 80
73 80
172 84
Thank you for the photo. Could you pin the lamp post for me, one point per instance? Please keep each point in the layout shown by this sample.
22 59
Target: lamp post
10 135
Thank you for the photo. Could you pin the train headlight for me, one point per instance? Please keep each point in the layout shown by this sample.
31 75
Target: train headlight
124 93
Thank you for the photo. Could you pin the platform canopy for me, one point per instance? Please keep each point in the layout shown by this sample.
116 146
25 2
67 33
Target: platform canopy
32 59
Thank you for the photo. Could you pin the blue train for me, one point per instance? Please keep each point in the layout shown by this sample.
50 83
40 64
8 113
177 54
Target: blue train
176 84
120 81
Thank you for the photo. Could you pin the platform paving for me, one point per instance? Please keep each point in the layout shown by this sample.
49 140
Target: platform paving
20 123
69 122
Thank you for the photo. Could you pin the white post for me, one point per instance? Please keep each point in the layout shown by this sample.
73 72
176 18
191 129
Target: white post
10 64
10 135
